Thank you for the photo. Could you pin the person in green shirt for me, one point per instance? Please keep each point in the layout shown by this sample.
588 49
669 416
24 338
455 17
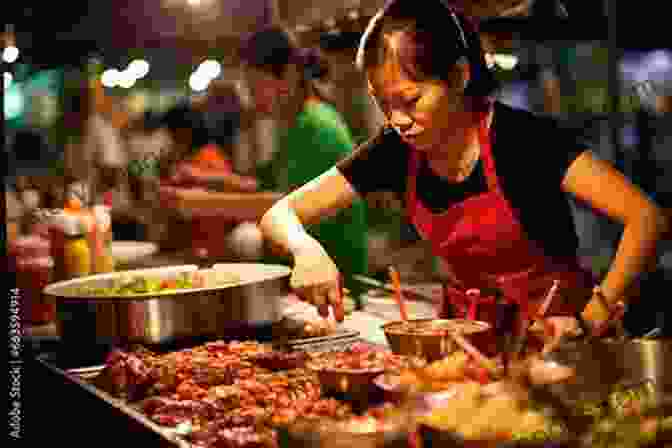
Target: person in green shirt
295 81
292 83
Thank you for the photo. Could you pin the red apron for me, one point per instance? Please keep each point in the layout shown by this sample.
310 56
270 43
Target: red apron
483 241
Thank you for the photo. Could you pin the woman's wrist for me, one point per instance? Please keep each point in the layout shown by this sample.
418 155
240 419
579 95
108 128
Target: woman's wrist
601 312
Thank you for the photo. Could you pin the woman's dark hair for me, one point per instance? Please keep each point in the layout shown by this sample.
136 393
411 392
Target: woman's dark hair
315 73
271 49
434 39
314 65
184 117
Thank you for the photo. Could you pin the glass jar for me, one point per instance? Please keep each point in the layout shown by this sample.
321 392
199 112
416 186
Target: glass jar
33 267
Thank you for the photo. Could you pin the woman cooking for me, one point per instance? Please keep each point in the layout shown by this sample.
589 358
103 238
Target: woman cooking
485 183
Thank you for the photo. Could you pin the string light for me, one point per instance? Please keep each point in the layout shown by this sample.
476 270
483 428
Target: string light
110 78
505 61
10 53
210 68
138 68
198 81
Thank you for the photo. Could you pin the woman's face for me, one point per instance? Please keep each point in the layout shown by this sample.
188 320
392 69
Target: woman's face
268 91
426 114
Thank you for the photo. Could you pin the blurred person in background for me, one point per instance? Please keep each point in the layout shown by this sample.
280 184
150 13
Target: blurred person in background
97 158
293 83
202 163
297 81
143 140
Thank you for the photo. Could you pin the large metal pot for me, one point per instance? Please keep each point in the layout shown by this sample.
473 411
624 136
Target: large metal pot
217 311
602 365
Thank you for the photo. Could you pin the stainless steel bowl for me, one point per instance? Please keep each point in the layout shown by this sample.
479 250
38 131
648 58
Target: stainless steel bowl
325 433
602 365
356 383
406 338
156 318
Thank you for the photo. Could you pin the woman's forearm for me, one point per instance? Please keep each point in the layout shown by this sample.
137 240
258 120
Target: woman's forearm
283 229
636 254
283 224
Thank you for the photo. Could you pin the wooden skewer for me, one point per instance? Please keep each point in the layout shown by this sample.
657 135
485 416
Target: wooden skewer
474 353
398 295
541 312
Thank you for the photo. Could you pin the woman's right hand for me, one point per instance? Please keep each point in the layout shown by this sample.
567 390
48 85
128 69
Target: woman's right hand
316 280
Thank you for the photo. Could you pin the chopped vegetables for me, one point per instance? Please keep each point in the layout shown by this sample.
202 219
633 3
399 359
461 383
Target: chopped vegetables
622 421
129 286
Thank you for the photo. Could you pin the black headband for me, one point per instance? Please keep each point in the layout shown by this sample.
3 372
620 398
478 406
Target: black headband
463 37
383 11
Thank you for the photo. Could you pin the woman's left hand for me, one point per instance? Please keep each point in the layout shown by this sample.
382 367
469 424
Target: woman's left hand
601 322
604 319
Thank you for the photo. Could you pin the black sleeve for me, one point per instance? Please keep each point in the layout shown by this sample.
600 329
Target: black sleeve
539 148
379 164
561 146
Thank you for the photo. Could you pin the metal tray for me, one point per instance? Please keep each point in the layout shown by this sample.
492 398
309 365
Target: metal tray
82 378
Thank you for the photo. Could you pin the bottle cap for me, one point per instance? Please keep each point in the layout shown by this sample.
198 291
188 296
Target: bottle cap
102 216
72 225
108 199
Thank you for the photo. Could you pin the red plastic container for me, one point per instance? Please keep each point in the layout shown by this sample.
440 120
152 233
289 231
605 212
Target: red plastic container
33 266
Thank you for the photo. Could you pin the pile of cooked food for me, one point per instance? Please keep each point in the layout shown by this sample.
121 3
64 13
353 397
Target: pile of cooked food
506 410
229 394
437 328
360 357
239 394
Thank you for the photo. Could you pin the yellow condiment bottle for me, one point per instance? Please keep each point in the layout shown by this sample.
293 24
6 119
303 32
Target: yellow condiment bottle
76 251
104 261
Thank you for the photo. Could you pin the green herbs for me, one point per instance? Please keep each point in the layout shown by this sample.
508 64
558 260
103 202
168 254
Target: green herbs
622 420
625 402
146 167
141 285
554 431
